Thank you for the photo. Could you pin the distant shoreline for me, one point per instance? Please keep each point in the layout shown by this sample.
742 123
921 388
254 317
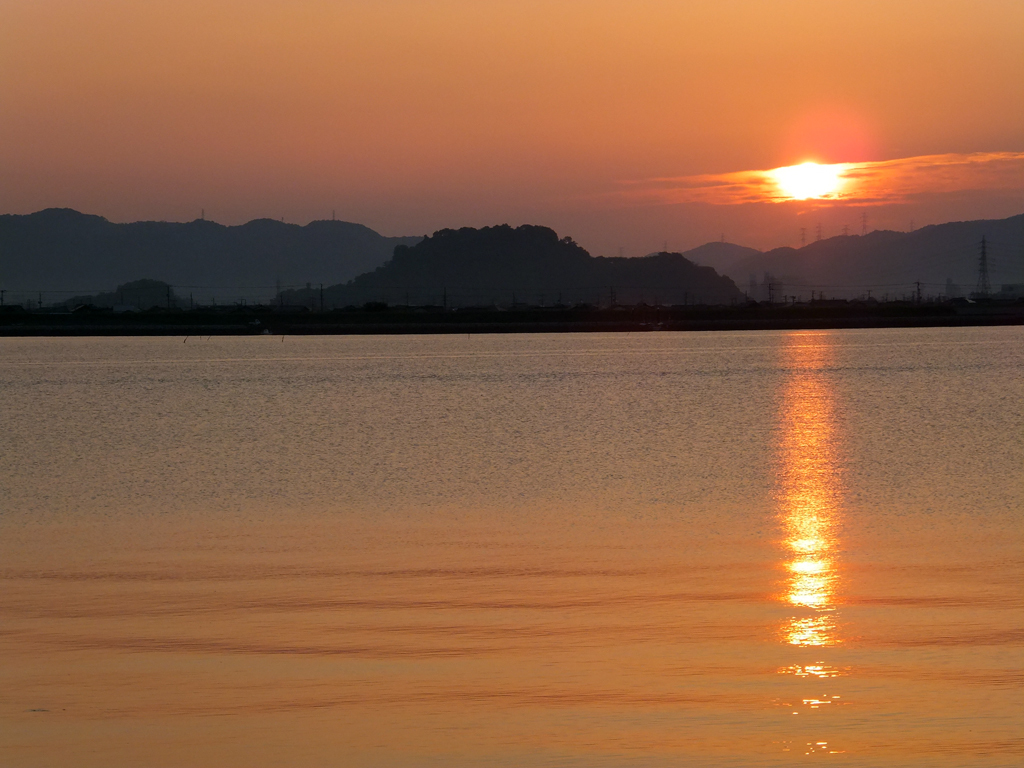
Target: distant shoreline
435 320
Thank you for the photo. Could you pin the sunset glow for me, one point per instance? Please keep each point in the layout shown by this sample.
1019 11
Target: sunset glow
809 180
876 183
411 117
511 382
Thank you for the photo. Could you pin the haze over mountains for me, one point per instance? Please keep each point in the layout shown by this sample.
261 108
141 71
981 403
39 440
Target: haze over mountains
61 250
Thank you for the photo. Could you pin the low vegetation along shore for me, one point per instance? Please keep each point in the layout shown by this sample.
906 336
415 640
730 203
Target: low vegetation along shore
376 318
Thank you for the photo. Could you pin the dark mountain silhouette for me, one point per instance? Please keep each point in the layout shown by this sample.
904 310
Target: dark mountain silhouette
63 250
943 257
525 265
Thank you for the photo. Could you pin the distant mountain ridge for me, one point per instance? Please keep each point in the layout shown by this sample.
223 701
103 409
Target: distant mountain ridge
54 254
504 266
940 257
60 249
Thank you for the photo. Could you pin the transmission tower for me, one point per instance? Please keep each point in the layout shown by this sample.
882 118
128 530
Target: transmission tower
803 236
818 233
864 222
984 287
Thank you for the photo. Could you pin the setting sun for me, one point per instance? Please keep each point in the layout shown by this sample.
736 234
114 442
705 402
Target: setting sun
809 180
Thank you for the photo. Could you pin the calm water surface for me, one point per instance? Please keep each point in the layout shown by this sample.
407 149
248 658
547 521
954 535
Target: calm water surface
732 549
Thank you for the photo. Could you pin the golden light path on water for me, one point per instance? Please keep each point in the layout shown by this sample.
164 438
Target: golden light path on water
809 495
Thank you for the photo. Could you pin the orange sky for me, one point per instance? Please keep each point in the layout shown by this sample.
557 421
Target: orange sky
411 115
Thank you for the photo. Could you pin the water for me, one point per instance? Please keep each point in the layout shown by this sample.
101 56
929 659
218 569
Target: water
732 549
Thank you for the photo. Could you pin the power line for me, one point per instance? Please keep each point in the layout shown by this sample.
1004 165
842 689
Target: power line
984 286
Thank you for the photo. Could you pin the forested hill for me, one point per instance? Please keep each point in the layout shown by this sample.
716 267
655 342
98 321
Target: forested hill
503 265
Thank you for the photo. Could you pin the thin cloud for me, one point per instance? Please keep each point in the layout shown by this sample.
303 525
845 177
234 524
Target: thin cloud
872 183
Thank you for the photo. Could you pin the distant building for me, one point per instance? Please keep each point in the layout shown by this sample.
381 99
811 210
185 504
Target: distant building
952 289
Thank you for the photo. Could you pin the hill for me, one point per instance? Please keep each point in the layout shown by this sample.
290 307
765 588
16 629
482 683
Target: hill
720 256
62 251
505 266
943 257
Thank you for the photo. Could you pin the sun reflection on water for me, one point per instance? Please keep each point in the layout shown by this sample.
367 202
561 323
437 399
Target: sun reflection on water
818 671
809 493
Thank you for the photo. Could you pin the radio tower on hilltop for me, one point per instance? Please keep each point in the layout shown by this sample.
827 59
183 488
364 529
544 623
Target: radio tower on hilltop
984 287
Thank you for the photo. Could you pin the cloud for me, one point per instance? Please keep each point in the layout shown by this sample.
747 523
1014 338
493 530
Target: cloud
871 183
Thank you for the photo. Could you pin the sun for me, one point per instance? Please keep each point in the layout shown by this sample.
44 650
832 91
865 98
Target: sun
809 181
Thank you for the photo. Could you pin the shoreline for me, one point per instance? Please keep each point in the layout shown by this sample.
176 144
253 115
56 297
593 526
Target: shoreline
402 320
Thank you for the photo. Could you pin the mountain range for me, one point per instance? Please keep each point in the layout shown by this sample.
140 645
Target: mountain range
944 258
61 252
